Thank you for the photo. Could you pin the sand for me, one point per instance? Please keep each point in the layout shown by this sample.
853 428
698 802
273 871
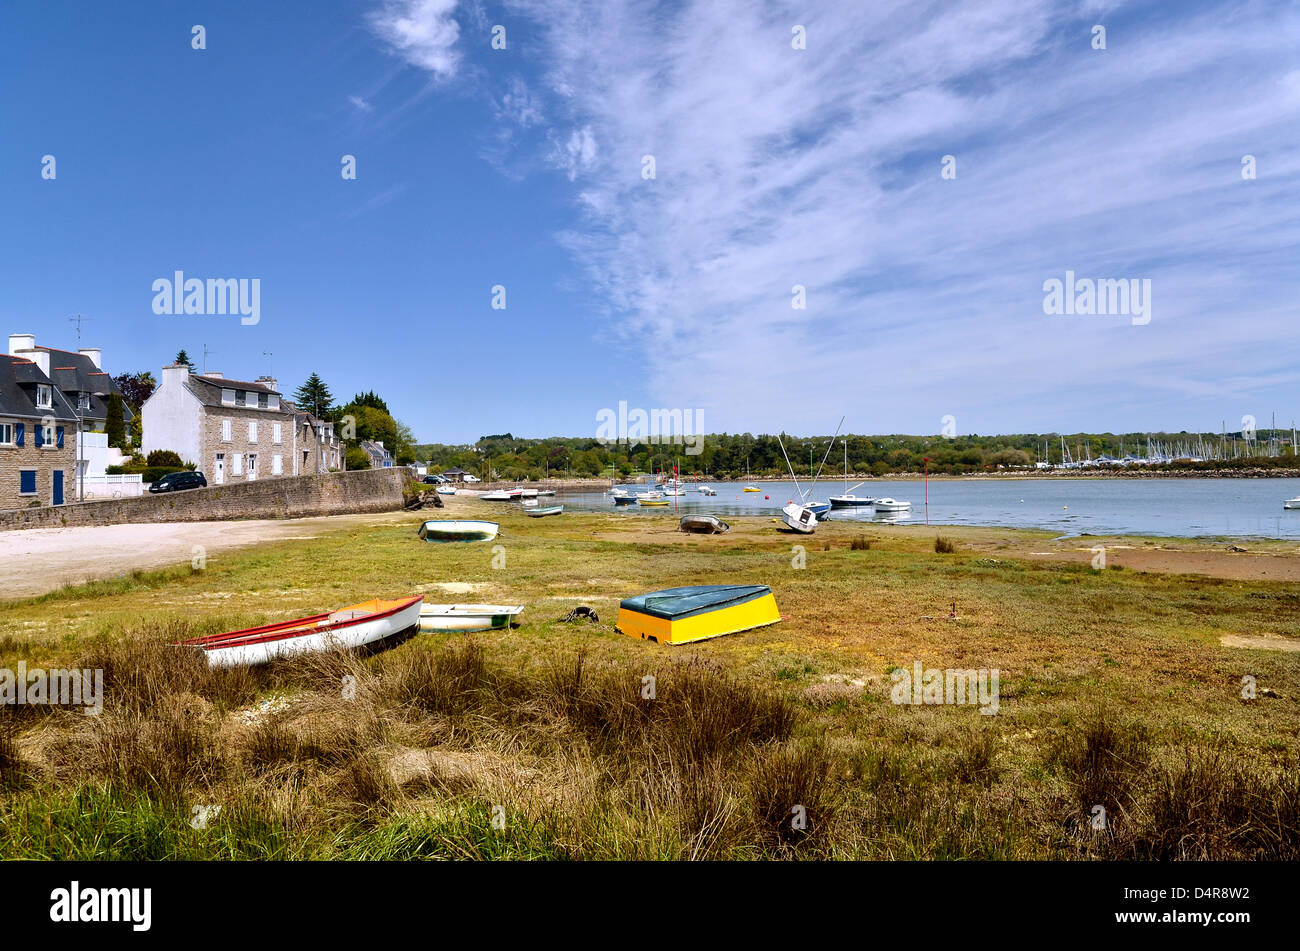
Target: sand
38 560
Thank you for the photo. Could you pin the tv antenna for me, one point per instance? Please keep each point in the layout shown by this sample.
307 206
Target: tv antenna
78 320
206 351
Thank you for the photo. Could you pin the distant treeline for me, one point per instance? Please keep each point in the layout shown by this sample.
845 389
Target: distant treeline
725 455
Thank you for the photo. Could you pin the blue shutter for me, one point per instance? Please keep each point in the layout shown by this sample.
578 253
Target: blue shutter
38 436
19 430
58 436
27 481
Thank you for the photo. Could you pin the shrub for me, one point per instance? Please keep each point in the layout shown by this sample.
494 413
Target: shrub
164 457
943 546
860 543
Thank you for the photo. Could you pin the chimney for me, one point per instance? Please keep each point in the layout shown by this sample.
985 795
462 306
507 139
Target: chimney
269 382
21 342
175 375
214 374
96 356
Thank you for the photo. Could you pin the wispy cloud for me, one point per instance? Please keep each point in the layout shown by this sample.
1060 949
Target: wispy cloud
422 32
360 104
821 167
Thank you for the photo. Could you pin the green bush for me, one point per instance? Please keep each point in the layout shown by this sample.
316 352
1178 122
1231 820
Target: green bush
357 458
164 457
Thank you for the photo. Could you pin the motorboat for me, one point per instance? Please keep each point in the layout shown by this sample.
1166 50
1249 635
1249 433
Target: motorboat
703 525
1291 503
800 518
891 505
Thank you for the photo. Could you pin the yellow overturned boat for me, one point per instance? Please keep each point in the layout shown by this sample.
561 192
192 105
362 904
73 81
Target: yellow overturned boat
698 612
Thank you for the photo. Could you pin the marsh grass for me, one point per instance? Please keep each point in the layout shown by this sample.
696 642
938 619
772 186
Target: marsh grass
420 750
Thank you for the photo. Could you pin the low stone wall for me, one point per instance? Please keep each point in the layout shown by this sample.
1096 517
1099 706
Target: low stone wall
334 493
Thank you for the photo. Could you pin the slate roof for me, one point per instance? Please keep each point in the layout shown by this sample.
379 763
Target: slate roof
208 389
77 373
18 379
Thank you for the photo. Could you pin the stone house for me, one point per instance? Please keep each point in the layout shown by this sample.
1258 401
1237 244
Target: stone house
236 431
380 458
82 379
37 461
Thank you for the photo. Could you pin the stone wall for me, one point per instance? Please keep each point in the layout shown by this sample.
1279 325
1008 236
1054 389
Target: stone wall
334 493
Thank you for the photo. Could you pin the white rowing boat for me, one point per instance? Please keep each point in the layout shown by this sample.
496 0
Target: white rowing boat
459 530
443 618
357 625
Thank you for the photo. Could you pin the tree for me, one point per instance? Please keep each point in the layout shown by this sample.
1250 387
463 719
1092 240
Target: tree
370 399
314 397
163 457
136 387
356 458
183 360
114 423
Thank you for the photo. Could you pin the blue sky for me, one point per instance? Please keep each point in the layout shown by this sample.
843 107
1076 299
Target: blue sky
773 167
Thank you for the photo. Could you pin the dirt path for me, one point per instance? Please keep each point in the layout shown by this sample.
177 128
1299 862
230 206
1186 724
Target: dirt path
38 560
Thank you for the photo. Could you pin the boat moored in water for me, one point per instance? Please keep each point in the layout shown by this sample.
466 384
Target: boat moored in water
1291 503
891 505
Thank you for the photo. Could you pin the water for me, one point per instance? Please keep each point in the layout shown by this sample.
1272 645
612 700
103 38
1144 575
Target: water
1233 508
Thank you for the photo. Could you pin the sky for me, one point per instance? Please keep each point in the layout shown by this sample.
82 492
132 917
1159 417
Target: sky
650 183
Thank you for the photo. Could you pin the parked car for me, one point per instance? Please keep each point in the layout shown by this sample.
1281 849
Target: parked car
470 478
431 480
177 481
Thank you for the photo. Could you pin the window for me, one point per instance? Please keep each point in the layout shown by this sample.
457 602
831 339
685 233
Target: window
227 396
6 434
241 398
276 433
277 465
44 398
252 430
252 466
27 482
262 400
58 437
237 464
83 401
225 430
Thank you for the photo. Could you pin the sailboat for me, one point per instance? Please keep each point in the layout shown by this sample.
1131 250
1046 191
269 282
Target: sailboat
847 498
749 487
816 507
796 515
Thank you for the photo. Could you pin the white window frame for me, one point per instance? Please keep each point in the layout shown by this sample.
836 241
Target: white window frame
277 465
226 426
236 463
6 434
252 467
227 396
44 396
277 434
252 430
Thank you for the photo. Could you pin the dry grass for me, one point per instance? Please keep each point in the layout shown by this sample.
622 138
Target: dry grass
546 741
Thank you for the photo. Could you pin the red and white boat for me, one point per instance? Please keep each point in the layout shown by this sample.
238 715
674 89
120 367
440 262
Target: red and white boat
354 626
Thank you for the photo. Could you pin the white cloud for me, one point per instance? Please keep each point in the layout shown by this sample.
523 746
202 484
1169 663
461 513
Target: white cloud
821 167
359 103
422 32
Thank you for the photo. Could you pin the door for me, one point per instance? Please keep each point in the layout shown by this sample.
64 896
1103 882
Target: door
58 486
219 469
252 467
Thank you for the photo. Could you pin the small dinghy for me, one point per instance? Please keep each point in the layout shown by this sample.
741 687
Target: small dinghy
444 618
459 530
800 518
707 490
1291 503
652 501
682 615
622 498
357 625
891 505
703 525
446 490
547 510
818 508
496 495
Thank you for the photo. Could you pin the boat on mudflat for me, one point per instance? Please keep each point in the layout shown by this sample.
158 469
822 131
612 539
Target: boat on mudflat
496 495
358 625
703 525
541 511
458 530
442 618
697 612
800 518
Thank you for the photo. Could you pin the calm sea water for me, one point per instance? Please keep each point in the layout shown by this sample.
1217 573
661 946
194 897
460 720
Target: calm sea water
1172 507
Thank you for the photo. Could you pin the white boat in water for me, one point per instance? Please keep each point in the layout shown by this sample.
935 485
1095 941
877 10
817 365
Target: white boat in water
706 490
800 518
1291 503
891 505
441 618
845 501
674 491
